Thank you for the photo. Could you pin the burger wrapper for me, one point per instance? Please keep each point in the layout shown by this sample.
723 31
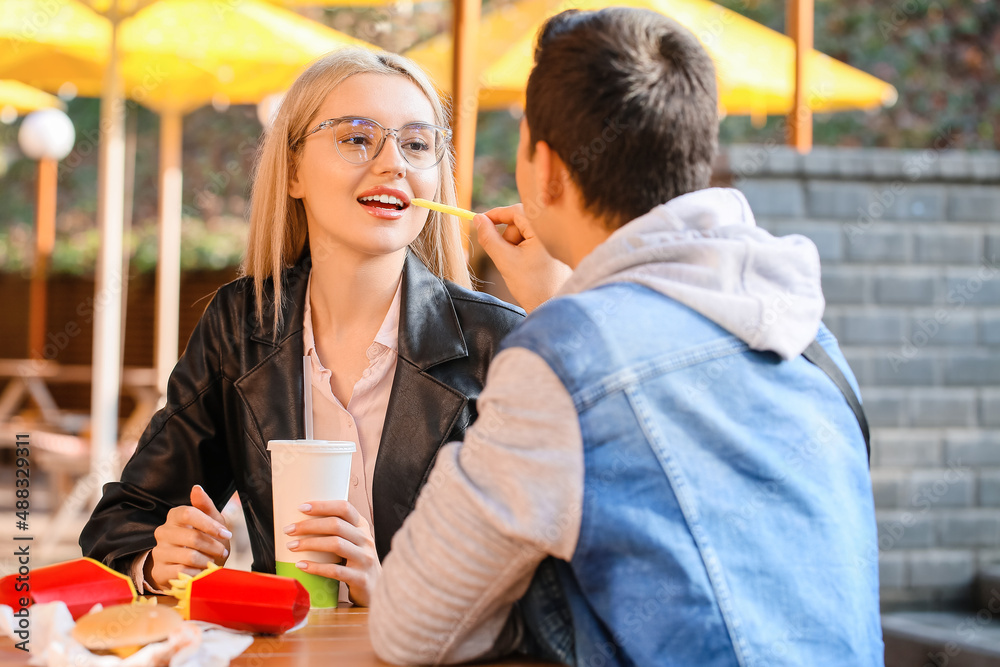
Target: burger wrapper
53 645
79 583
248 601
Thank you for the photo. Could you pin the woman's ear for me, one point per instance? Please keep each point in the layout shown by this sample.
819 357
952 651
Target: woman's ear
295 189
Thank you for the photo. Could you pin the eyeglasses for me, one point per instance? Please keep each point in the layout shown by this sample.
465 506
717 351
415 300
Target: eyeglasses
360 140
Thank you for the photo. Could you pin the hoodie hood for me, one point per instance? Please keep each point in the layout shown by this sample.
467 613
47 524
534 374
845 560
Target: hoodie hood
704 249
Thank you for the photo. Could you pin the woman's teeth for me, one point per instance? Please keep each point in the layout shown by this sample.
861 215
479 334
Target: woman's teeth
382 199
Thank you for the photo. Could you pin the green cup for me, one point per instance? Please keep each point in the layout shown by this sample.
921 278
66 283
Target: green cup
323 591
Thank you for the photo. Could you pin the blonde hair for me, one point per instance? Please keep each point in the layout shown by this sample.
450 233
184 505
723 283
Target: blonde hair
278 221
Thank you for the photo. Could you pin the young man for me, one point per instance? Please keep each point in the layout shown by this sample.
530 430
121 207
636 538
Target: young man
657 476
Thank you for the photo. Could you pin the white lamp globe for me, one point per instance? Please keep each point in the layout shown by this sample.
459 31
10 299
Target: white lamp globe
268 107
46 134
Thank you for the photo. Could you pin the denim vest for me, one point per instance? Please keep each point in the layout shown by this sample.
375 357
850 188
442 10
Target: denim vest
727 513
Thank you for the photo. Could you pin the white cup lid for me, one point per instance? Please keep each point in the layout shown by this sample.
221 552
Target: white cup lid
317 446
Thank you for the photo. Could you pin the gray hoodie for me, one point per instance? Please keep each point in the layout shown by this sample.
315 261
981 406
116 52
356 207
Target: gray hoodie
704 250
511 494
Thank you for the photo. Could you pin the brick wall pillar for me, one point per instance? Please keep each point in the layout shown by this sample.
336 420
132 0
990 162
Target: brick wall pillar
910 245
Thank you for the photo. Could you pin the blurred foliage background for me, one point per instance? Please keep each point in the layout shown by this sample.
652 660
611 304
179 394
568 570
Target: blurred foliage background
943 56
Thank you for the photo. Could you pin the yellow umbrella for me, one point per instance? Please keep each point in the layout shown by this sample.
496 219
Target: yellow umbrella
343 3
174 56
755 65
23 98
68 35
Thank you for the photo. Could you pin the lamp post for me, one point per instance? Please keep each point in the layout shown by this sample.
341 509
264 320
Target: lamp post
47 136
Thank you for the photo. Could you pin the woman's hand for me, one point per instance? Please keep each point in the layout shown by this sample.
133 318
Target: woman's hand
532 275
338 528
192 536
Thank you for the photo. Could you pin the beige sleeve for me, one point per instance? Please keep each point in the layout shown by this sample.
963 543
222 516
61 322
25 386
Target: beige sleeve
493 508
139 577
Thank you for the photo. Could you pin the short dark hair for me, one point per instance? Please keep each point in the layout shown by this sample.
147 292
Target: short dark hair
626 98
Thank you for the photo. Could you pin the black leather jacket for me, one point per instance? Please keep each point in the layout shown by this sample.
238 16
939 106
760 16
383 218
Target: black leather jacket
236 387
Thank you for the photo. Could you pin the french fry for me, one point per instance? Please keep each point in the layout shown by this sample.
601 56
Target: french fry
443 208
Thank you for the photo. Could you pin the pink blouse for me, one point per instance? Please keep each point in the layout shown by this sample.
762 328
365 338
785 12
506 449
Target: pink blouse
361 420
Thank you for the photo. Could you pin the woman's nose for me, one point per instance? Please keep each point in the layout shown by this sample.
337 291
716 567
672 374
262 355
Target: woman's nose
390 159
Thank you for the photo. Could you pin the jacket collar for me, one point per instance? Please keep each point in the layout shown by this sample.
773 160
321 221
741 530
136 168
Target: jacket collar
429 331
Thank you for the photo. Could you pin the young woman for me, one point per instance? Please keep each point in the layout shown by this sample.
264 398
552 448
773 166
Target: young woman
341 269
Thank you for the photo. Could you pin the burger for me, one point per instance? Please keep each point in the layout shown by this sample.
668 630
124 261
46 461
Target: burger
123 629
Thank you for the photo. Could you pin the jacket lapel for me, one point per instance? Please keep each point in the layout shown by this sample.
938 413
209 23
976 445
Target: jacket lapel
422 410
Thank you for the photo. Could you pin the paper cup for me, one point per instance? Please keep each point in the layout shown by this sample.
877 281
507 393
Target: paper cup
304 470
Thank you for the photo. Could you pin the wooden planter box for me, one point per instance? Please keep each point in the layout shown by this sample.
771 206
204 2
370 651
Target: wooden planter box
69 337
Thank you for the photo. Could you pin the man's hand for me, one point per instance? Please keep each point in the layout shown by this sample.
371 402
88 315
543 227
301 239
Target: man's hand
532 275
192 536
338 528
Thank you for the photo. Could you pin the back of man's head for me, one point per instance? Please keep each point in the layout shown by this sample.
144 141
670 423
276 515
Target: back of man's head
626 98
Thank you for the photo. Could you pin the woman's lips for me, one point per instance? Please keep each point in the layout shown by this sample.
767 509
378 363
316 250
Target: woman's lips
383 202
381 211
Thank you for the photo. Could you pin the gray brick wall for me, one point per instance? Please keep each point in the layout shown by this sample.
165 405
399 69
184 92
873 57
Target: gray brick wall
910 245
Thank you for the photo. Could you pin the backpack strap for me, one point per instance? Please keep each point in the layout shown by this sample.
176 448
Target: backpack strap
818 357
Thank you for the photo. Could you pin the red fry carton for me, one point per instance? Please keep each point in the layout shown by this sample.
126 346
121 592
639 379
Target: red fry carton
248 601
80 583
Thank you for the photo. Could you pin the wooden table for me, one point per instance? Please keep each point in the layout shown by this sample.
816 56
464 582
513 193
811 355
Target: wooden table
333 637
31 377
336 637
58 444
